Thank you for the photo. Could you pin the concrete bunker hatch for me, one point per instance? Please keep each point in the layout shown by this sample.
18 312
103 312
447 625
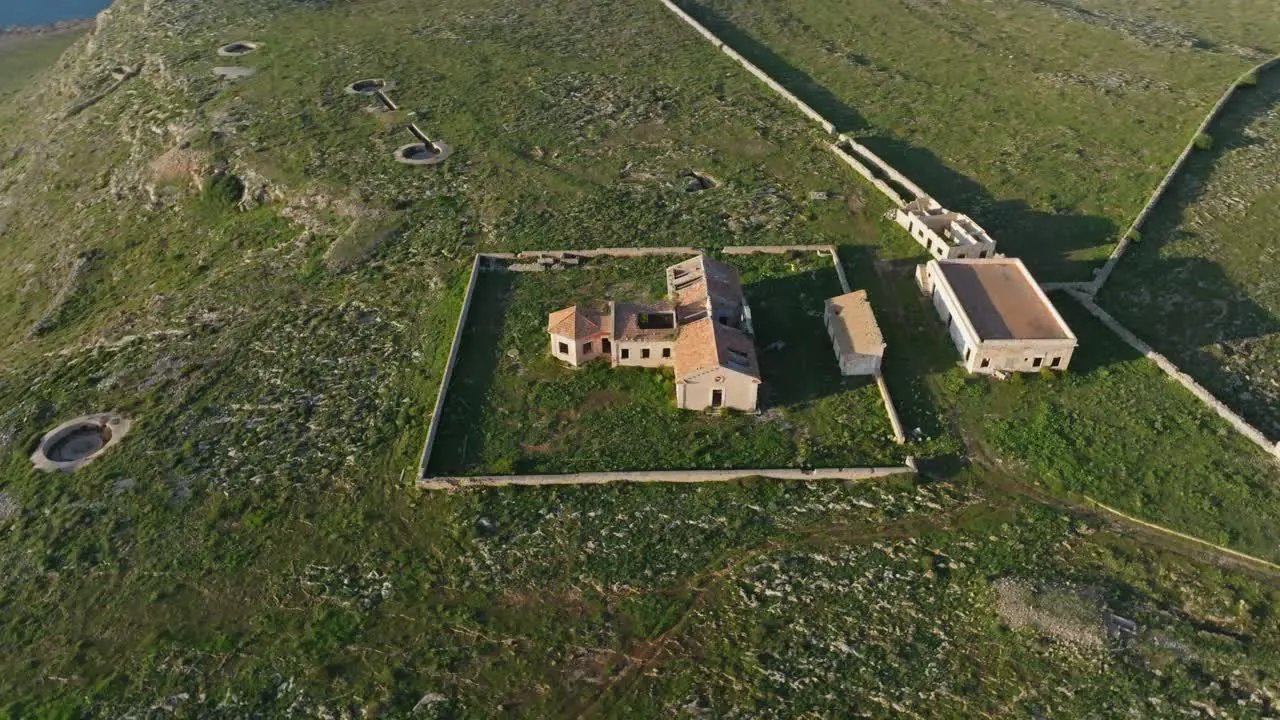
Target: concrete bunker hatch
73 444
238 48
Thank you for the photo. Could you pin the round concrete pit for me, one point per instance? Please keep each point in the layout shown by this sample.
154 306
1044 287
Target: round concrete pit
422 153
369 86
74 443
238 48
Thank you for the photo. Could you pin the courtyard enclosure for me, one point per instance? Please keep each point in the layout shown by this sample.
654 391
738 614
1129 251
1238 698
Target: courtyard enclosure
518 407
997 316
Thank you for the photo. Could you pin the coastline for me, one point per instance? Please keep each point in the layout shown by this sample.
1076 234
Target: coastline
55 28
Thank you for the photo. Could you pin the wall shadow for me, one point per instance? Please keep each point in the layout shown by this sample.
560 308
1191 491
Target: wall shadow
459 446
814 94
1189 307
1050 242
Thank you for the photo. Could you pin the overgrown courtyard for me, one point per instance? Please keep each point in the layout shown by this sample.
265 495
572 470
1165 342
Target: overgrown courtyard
514 408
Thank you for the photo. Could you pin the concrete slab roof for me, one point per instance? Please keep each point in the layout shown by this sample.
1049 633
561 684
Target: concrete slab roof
856 329
1002 300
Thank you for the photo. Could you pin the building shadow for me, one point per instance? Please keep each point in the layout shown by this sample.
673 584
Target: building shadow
797 362
1051 243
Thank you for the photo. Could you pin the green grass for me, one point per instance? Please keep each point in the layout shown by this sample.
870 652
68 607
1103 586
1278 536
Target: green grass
1047 125
1116 428
255 545
1202 286
23 58
514 408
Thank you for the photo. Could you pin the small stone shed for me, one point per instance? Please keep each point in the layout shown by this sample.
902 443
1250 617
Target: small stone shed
997 315
855 334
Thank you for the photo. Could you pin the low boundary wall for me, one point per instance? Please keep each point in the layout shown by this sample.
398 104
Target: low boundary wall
665 476
899 434
434 426
861 159
1160 528
750 67
477 266
1105 272
1241 426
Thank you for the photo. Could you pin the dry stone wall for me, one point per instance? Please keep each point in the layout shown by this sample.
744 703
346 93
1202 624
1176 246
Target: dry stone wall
448 368
666 476
1253 434
1136 226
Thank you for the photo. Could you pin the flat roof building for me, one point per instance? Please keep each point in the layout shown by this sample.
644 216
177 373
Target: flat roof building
997 315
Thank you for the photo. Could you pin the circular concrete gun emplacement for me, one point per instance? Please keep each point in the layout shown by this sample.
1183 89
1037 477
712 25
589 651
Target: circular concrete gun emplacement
238 48
369 86
75 443
423 153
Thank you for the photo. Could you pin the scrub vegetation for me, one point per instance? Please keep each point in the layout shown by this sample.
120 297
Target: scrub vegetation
1049 122
242 269
515 408
1202 287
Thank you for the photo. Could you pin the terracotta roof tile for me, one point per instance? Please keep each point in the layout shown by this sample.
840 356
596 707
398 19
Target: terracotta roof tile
706 344
575 323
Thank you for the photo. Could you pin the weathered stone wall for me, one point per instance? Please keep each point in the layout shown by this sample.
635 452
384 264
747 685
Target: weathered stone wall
667 476
448 368
1241 426
1105 272
898 433
760 75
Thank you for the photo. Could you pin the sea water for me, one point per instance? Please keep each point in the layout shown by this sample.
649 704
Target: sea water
44 12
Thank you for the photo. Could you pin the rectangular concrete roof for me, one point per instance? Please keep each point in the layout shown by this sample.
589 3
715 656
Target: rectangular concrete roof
1002 301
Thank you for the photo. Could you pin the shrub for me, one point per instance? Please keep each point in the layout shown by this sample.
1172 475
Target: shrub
1133 236
1203 141
1249 80
222 192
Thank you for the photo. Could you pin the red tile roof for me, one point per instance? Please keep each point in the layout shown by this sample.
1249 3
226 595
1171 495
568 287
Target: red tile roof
575 323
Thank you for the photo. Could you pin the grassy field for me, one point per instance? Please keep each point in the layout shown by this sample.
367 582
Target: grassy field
255 546
1115 428
515 408
1049 124
1202 286
23 57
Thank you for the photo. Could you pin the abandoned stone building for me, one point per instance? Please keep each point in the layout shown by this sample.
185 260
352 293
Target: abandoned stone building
946 235
855 334
702 331
997 315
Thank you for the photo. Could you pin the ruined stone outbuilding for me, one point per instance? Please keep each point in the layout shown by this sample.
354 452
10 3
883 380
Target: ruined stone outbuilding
702 331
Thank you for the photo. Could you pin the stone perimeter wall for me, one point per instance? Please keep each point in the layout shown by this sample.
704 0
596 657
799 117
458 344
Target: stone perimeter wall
667 476
427 483
859 157
448 368
1105 272
1253 434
